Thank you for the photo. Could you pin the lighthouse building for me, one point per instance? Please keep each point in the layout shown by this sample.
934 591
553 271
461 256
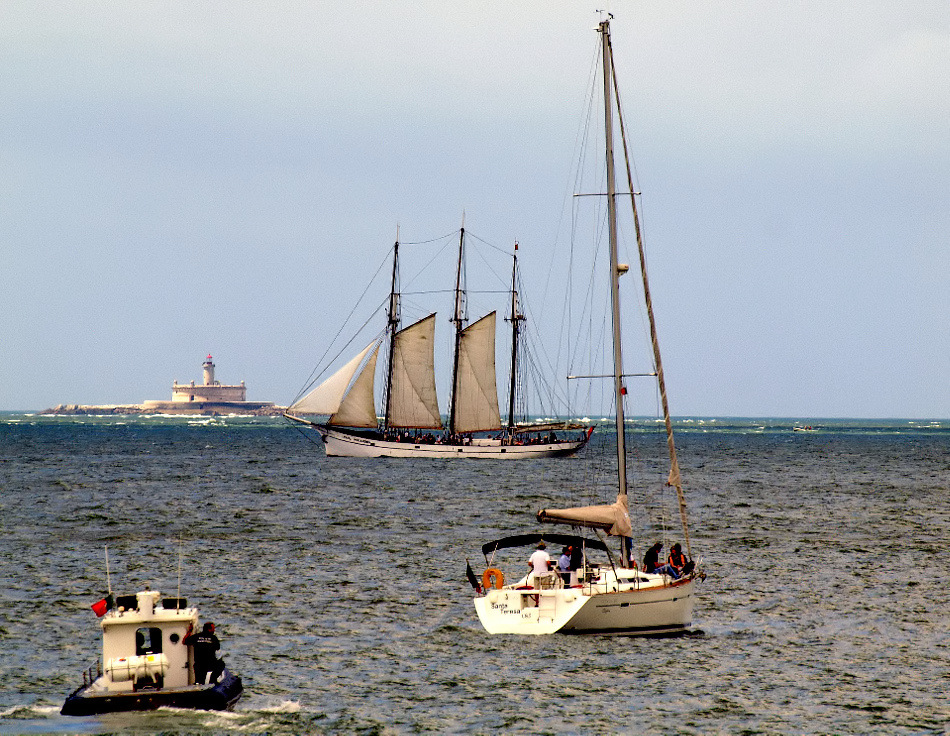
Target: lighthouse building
208 397
210 390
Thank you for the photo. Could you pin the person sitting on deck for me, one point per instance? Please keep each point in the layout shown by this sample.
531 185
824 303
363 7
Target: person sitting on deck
676 565
651 560
677 560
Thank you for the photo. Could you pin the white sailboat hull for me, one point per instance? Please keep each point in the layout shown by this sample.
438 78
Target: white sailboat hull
656 608
343 444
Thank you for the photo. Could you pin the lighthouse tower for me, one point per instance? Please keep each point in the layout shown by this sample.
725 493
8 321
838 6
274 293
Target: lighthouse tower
208 368
212 395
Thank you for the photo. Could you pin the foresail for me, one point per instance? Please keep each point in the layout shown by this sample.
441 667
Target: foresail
612 518
358 408
476 395
412 401
326 398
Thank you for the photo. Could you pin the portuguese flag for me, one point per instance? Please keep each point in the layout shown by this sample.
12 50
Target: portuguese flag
100 607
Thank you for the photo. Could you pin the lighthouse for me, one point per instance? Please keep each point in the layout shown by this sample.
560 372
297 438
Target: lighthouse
211 392
208 367
211 397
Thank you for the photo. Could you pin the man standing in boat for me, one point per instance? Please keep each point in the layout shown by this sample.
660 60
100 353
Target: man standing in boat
540 561
205 645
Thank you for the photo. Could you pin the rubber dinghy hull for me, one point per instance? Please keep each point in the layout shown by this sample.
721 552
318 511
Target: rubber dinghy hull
221 696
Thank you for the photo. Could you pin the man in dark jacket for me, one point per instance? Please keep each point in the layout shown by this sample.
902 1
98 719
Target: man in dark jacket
651 560
205 645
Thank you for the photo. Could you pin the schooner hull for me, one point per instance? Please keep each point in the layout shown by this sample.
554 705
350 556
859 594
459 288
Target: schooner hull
647 611
343 444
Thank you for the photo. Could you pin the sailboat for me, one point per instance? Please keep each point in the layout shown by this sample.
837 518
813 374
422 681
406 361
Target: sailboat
614 596
411 424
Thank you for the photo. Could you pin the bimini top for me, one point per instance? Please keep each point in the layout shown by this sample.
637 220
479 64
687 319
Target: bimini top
525 540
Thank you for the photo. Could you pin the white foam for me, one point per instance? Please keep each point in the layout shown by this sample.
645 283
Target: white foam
287 706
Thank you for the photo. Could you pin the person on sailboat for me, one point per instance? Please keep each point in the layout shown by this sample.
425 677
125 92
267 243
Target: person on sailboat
564 565
677 561
540 561
651 560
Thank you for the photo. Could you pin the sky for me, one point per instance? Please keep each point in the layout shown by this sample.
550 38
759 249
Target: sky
185 178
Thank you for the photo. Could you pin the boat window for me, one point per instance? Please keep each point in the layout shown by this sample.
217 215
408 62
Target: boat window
128 602
148 641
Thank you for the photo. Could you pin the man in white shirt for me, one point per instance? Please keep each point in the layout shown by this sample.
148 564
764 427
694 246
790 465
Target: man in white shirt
539 561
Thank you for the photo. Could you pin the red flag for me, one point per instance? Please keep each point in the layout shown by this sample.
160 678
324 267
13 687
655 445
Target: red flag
100 607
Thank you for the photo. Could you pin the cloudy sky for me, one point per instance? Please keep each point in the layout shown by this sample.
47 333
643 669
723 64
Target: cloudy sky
180 178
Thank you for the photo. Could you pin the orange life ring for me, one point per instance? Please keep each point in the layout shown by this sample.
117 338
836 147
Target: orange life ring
493 572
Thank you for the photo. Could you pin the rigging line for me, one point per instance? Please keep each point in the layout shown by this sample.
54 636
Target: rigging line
452 291
433 259
540 358
587 311
433 240
379 336
674 476
493 272
532 352
568 206
490 245
314 374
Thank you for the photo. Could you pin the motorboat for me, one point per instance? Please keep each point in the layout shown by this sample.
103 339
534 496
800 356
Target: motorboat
146 663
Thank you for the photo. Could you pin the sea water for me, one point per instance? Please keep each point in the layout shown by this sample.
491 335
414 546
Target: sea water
338 585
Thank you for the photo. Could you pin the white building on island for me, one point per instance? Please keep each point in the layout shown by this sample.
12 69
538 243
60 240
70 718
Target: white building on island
210 390
211 396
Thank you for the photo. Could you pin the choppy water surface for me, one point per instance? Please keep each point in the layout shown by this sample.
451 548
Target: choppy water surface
339 592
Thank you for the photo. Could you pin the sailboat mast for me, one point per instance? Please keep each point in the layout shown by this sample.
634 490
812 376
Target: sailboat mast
457 318
674 479
515 328
614 265
393 320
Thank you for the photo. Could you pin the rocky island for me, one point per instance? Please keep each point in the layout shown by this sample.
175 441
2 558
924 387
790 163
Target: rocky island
208 398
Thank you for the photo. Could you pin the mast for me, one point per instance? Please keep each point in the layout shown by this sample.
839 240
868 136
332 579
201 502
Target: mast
393 321
457 318
619 389
516 319
614 267
674 478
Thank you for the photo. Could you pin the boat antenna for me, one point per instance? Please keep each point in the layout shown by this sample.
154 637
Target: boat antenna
108 573
179 563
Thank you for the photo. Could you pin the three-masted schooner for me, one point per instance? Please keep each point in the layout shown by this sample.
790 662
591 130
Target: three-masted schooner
614 596
410 424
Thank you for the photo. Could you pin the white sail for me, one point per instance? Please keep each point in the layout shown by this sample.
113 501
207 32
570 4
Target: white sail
327 397
412 400
612 518
476 396
358 408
